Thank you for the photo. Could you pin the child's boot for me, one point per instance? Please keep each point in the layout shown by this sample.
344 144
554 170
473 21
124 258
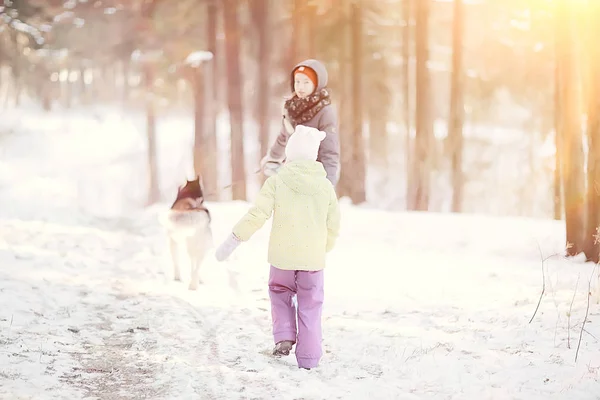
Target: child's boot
283 348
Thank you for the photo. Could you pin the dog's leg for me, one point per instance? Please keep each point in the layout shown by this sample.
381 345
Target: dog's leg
196 251
175 257
195 274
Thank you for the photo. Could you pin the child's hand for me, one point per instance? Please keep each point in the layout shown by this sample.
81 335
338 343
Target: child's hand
227 247
269 165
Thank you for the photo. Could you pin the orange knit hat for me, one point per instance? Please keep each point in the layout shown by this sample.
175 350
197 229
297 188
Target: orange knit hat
312 75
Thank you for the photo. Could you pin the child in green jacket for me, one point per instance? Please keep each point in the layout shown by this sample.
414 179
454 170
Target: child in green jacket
306 223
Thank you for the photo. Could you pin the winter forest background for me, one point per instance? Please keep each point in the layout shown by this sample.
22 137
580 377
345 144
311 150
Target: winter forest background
470 162
473 106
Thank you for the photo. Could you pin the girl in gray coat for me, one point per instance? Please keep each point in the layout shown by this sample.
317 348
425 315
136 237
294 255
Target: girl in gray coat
310 105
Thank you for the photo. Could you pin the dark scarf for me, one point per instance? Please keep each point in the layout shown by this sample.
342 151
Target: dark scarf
303 110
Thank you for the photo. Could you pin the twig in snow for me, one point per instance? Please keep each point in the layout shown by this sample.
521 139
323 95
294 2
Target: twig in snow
543 279
589 333
569 314
543 285
587 310
556 329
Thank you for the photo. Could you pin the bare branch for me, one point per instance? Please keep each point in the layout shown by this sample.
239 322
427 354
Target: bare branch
543 279
569 314
587 310
543 284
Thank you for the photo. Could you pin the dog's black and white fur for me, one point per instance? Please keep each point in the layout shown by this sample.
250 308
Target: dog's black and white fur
188 227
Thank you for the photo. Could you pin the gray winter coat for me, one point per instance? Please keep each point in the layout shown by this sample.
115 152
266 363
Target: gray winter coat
325 120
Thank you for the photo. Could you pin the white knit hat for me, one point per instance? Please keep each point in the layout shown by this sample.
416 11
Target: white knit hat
303 144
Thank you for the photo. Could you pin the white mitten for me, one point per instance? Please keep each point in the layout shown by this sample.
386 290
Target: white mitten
227 247
270 165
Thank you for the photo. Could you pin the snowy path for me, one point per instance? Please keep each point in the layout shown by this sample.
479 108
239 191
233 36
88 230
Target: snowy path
75 323
83 323
418 306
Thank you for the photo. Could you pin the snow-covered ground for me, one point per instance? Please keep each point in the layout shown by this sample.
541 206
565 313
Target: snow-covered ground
418 306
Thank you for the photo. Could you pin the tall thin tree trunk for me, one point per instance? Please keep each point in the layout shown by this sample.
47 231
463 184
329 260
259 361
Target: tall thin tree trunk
111 81
591 245
455 125
424 128
311 30
153 187
378 109
378 112
68 90
209 179
572 165
234 98
344 186
148 73
378 141
199 152
125 70
358 193
294 50
262 20
406 41
559 151
84 98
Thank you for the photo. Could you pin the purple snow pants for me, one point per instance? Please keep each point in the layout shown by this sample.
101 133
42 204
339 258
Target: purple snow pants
308 285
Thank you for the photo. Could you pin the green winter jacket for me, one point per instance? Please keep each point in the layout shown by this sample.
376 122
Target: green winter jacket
306 216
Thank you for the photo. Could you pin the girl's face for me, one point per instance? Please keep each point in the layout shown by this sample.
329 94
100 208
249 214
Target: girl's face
303 86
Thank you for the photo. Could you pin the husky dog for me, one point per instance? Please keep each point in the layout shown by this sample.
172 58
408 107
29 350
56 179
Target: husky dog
188 227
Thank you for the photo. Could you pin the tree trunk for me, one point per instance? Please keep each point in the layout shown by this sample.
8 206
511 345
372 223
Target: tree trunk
378 113
358 193
344 186
125 70
148 73
84 98
378 109
311 30
111 81
197 75
47 96
406 41
153 188
572 165
559 151
378 141
234 98
209 178
67 90
424 128
294 50
15 69
455 125
591 245
100 83
262 20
